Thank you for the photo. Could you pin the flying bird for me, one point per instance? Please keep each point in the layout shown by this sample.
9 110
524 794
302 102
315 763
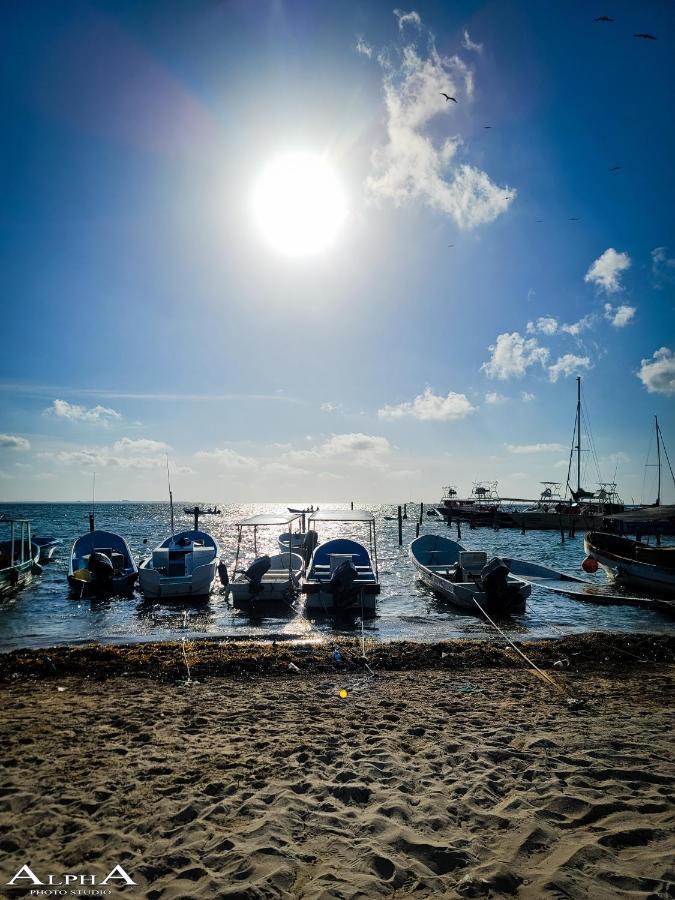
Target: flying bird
451 245
538 220
508 198
615 168
646 35
448 97
604 19
487 126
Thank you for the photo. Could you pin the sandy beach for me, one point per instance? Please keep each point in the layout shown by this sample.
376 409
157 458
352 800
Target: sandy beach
481 783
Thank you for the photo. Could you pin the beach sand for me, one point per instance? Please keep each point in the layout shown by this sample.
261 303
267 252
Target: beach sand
425 784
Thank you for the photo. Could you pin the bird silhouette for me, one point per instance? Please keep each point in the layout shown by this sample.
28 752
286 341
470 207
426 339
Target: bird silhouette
508 198
646 35
615 168
487 126
451 245
604 19
448 97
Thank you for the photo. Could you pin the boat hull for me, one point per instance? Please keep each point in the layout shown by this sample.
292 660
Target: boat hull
553 521
272 591
14 578
635 573
155 586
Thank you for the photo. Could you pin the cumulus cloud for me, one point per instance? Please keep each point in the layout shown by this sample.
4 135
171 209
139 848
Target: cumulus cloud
512 355
566 365
494 399
226 458
411 166
663 267
13 442
430 407
526 397
607 269
356 447
619 316
574 328
411 18
658 373
97 415
468 44
362 47
331 407
544 325
534 448
127 453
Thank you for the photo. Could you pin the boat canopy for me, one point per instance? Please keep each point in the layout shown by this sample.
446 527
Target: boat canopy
343 515
268 519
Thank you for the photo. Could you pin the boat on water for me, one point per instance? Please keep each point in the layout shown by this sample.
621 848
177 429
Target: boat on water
101 564
302 542
342 576
480 508
19 555
465 578
632 563
184 565
197 511
269 582
48 547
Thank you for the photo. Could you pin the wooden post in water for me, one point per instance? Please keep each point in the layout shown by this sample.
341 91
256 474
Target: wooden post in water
417 530
562 531
421 512
459 529
405 510
352 504
196 512
400 527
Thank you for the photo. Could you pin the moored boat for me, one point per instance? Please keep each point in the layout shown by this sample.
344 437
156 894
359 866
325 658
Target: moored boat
343 576
184 565
465 578
641 566
19 556
48 547
101 563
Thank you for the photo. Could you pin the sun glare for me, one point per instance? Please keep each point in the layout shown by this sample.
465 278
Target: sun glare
298 204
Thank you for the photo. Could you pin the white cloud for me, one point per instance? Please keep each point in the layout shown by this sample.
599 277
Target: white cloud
364 449
126 453
534 448
658 373
566 365
526 397
575 328
512 354
331 407
13 442
226 458
97 415
544 325
494 399
411 166
663 267
409 18
468 44
362 47
619 315
430 407
607 269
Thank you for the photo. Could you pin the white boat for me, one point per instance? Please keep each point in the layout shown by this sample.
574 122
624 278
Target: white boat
647 568
343 574
101 563
302 542
19 557
271 581
184 565
465 579
48 547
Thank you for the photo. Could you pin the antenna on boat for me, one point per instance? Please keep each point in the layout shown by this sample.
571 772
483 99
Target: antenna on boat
168 478
93 503
658 462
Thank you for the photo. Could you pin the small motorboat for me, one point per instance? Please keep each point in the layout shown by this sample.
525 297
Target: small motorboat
343 573
466 579
184 565
195 510
302 542
19 557
645 567
47 547
101 563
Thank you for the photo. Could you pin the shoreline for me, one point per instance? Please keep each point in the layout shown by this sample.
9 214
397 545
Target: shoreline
244 658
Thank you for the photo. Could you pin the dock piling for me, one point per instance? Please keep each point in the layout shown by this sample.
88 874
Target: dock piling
400 527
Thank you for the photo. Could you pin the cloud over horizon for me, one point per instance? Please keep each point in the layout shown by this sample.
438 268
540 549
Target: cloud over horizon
430 407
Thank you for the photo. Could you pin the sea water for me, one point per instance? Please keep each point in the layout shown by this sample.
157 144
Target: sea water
44 614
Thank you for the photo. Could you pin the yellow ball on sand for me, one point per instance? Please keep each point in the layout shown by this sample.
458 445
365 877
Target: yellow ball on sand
343 694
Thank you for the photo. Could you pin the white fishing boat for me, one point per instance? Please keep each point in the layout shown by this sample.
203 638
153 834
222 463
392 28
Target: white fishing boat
641 566
343 573
302 542
19 557
270 581
466 579
184 565
48 547
101 563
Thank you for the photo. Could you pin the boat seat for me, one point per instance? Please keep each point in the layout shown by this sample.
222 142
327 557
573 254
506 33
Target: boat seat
472 560
336 559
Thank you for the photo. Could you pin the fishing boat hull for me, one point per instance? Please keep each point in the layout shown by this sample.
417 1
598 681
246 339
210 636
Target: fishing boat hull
437 561
84 582
154 586
48 547
182 566
324 594
541 520
276 590
632 563
14 578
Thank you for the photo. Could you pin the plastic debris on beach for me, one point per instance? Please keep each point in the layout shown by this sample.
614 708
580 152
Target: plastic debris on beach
344 694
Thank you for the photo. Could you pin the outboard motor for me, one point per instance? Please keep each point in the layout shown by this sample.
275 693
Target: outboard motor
500 594
101 568
222 573
255 572
311 541
341 585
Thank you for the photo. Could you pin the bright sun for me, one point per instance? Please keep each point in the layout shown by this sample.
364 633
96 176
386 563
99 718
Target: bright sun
298 204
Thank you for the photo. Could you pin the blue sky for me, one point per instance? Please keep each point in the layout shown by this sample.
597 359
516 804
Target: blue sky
145 314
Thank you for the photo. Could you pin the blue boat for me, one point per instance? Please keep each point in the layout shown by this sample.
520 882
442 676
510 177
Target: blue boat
101 564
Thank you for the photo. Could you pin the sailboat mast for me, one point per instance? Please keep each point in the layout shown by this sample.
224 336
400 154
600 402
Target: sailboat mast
578 433
168 478
658 461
